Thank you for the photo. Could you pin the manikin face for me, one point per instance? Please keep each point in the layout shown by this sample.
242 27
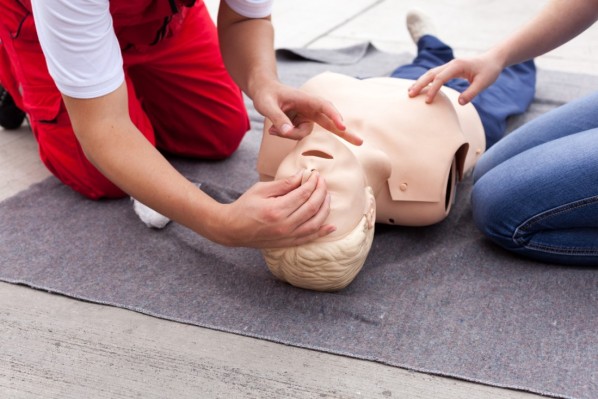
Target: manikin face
329 263
343 173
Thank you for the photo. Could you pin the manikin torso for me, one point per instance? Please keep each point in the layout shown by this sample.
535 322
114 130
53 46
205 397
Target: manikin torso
413 153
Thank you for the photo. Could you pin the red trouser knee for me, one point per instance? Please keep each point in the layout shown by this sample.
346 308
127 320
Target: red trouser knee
180 97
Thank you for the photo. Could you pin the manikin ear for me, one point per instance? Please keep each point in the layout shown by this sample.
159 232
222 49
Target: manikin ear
370 207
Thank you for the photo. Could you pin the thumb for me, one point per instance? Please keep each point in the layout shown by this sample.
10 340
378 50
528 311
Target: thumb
280 187
281 124
479 83
472 91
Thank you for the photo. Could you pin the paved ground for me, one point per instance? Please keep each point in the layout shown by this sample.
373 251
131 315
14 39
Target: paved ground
56 347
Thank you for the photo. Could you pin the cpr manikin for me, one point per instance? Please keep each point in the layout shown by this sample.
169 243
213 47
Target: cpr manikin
405 172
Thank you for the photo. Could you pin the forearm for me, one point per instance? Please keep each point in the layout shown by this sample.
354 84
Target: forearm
557 23
247 49
119 150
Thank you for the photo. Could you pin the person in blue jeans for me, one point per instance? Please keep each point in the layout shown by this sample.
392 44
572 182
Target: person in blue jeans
536 191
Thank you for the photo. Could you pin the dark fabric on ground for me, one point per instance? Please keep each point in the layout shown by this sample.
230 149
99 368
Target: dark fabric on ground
439 299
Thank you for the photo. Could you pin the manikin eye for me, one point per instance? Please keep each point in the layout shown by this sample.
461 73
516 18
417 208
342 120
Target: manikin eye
317 153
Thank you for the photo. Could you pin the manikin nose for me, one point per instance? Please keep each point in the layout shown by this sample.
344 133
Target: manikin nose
311 159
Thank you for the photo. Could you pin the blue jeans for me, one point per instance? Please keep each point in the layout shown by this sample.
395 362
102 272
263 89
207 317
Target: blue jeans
536 191
510 95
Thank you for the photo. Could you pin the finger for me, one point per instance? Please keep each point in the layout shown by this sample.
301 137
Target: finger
323 231
421 82
295 122
293 200
315 224
433 88
304 229
292 241
325 114
304 202
302 129
466 96
350 137
331 114
331 119
289 133
311 207
344 134
281 187
472 91
310 182
437 77
298 131
282 124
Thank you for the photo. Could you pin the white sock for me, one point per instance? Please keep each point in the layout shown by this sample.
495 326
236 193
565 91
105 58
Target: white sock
148 216
419 24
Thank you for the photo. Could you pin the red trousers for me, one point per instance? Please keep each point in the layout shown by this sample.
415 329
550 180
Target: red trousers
180 96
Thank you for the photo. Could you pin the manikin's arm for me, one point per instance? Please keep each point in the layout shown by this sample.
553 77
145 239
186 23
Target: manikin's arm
246 45
269 215
557 23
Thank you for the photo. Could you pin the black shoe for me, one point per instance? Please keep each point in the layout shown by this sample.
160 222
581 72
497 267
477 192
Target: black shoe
11 116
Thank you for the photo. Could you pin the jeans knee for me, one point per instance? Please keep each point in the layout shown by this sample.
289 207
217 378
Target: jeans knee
491 211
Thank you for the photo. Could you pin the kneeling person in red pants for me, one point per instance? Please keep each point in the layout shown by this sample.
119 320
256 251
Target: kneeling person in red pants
108 84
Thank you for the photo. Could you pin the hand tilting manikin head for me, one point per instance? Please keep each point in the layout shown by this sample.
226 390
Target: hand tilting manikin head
331 262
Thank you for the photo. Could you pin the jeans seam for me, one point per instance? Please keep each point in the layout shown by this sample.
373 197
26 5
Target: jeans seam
524 227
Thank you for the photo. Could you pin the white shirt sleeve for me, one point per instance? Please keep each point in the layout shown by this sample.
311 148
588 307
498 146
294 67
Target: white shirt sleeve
251 8
80 46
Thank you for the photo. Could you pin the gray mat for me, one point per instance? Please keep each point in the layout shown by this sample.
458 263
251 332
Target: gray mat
439 299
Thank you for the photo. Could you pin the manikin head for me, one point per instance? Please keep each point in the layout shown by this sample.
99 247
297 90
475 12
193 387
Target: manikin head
331 262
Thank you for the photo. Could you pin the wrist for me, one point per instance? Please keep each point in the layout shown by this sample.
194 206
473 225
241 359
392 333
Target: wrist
199 212
500 57
260 81
216 227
